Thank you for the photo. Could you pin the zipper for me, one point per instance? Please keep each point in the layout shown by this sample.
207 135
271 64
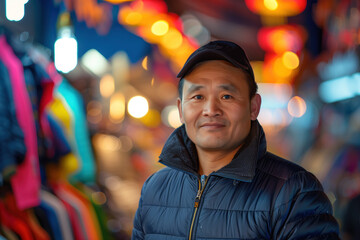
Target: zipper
202 183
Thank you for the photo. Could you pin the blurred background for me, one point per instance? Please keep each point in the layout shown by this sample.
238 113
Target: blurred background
89 89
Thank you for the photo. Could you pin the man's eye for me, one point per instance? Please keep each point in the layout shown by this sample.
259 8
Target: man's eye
198 97
226 96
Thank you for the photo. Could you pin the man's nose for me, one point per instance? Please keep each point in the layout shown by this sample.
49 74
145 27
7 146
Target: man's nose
212 107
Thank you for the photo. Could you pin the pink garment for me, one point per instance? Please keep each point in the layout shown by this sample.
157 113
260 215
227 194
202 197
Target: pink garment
26 182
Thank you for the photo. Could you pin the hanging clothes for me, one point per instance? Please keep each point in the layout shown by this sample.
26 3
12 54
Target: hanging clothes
27 216
26 181
60 143
67 109
14 223
40 89
10 235
99 211
56 211
88 214
12 146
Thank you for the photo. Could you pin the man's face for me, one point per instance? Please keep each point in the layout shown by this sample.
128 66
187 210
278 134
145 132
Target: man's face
215 106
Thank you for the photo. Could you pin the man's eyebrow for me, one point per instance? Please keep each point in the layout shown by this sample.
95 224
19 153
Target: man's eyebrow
194 87
228 87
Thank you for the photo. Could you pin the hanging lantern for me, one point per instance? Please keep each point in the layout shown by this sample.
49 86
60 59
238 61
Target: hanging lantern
282 38
117 1
66 46
281 8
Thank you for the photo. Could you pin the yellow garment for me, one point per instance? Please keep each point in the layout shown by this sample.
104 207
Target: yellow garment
57 108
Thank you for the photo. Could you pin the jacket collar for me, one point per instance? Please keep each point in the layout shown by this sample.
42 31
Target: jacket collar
179 152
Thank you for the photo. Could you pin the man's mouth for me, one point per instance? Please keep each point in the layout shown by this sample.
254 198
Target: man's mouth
212 125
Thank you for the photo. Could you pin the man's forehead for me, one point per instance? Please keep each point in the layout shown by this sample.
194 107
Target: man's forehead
194 86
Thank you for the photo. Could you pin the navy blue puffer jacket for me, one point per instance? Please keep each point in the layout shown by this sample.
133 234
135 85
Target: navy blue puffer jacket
257 196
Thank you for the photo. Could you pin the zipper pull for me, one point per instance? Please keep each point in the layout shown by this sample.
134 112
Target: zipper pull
197 199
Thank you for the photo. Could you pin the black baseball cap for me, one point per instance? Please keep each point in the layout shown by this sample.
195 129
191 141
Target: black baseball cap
218 50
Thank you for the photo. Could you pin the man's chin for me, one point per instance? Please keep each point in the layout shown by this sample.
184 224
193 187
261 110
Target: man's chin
210 146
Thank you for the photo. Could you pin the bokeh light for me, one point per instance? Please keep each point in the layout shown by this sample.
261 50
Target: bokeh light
117 107
170 116
290 60
99 198
94 112
172 40
282 8
271 4
107 85
144 63
138 107
160 27
297 106
152 118
65 53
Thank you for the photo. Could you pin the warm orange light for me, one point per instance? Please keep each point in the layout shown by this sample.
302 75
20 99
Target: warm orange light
118 1
271 4
146 33
279 68
172 40
274 70
290 60
282 8
282 38
160 27
144 63
149 6
152 118
117 107
129 17
107 85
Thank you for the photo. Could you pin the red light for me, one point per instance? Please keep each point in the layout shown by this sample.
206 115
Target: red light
150 6
276 7
282 38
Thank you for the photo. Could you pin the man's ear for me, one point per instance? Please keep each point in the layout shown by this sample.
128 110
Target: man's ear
255 104
180 110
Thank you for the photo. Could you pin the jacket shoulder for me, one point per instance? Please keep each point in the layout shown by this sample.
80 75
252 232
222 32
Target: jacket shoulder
279 167
290 177
160 175
156 182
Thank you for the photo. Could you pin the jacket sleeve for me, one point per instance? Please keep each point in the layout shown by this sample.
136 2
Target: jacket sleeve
138 232
303 211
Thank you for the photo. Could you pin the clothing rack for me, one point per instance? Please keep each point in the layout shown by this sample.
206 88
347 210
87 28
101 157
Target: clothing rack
47 189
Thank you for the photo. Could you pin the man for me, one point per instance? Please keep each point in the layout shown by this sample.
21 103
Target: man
220 182
351 220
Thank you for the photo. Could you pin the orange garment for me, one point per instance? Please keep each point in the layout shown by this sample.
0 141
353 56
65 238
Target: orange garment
91 221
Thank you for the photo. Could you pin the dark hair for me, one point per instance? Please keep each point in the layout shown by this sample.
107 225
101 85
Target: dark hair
253 87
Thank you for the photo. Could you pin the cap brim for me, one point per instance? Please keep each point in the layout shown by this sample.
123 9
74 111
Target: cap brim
206 56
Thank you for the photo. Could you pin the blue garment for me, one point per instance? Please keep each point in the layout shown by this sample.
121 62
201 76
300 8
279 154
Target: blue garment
82 148
12 146
60 143
256 196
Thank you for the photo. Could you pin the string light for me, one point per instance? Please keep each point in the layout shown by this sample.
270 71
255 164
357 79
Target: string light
15 9
65 47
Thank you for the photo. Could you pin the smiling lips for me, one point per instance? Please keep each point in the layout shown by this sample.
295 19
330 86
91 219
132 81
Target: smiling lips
212 125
